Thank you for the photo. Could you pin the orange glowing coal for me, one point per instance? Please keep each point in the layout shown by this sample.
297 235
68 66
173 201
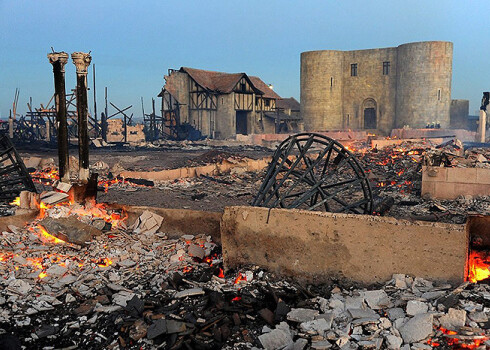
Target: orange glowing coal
456 343
104 262
240 278
478 267
47 237
16 202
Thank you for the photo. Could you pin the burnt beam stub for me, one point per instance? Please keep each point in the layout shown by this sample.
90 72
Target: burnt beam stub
59 60
485 101
81 61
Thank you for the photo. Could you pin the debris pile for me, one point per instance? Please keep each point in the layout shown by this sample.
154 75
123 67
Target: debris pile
453 154
406 313
134 288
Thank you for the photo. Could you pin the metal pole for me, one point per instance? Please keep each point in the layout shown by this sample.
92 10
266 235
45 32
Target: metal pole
58 60
81 61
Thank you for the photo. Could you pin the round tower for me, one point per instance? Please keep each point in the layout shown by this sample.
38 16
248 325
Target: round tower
423 94
321 89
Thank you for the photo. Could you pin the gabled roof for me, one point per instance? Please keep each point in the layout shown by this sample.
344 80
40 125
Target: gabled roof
225 82
288 103
214 81
259 84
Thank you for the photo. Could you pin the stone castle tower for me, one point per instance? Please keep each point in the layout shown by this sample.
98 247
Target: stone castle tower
377 89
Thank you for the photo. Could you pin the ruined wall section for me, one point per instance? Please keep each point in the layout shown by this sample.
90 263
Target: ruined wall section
226 116
321 89
424 84
178 86
369 85
459 112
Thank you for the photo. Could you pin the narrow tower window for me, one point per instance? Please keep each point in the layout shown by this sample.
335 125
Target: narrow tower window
386 68
439 94
331 81
353 70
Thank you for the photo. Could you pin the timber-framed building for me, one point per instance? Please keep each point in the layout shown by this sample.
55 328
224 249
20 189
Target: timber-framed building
222 105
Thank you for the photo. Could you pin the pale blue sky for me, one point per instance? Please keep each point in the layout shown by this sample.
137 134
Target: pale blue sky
133 43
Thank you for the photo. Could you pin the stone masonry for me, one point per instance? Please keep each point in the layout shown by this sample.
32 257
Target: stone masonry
377 89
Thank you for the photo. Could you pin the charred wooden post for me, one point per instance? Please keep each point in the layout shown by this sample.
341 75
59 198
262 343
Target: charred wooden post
81 61
103 119
58 60
11 126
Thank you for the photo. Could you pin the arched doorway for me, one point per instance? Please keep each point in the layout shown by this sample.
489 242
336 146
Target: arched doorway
370 114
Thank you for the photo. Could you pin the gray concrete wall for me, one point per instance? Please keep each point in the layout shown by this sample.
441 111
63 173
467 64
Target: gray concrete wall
316 246
459 111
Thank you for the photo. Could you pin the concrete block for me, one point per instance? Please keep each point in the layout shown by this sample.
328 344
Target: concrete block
428 188
461 175
483 177
316 246
432 174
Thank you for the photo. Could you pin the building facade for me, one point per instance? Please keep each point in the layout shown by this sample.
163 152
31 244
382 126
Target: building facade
218 105
377 89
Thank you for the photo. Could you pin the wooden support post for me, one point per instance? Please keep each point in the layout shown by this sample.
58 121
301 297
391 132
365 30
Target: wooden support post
96 125
103 119
11 126
82 60
58 60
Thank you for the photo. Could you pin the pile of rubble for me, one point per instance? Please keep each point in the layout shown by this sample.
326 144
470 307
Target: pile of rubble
394 169
134 288
395 172
453 154
406 313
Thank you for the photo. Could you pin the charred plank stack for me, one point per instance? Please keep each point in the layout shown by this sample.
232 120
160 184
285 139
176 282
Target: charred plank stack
14 177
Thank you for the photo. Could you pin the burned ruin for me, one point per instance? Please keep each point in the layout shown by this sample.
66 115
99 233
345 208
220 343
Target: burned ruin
151 238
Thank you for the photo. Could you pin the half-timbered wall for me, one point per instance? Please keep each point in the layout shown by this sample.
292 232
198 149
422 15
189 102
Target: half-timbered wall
264 104
244 96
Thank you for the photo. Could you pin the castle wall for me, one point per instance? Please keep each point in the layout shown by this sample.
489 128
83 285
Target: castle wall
423 91
321 89
416 91
369 85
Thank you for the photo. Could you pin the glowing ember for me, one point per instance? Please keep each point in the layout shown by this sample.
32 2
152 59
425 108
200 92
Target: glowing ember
187 269
463 342
46 237
221 273
104 262
239 278
42 275
478 267
16 202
